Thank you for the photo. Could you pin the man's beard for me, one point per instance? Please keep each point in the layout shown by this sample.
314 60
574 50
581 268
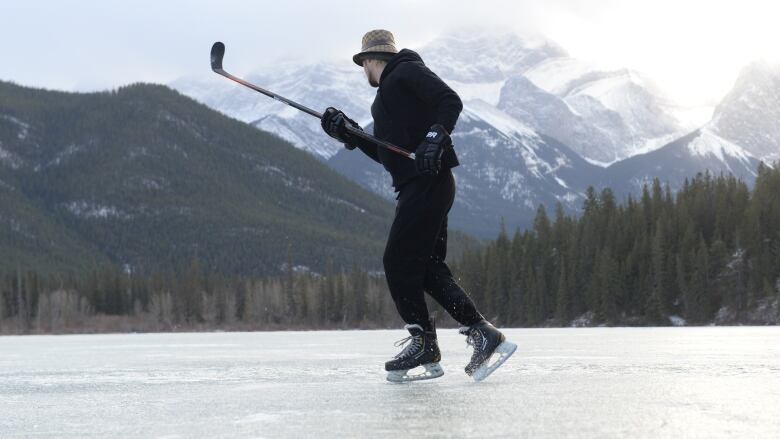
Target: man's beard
373 83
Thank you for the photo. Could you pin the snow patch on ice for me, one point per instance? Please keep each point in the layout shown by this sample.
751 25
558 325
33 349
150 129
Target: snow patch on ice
257 418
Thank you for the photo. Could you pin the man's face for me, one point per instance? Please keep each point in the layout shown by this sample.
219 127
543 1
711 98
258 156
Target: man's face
369 67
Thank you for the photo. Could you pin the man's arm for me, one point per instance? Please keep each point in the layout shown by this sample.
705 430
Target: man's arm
368 148
434 92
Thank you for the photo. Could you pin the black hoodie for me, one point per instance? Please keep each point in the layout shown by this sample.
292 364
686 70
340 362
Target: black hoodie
409 100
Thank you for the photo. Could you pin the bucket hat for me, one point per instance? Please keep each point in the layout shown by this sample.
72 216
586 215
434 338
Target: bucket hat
378 43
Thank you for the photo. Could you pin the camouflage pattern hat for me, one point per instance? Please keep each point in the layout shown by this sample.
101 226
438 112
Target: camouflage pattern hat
378 43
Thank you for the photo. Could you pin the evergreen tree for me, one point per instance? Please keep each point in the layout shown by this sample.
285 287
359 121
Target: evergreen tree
562 296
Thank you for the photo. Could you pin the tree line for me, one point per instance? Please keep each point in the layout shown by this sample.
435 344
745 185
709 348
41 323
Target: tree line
111 299
710 253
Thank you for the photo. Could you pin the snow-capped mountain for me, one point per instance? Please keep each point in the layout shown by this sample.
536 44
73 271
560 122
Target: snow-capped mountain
481 57
507 170
624 114
538 126
630 112
700 151
609 115
477 64
554 117
744 130
749 115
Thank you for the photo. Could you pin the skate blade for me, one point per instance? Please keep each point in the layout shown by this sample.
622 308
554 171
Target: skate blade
501 354
432 370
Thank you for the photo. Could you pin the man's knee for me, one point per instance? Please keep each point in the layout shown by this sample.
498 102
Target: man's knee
438 275
400 268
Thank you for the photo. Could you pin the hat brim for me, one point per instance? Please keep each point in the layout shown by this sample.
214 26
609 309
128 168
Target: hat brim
358 58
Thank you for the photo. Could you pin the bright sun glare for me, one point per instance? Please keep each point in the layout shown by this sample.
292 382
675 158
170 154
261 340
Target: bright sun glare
692 49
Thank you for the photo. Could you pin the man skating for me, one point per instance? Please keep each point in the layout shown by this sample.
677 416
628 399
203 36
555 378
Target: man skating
416 110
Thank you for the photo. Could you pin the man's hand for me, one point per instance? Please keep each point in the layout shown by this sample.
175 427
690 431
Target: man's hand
427 158
334 122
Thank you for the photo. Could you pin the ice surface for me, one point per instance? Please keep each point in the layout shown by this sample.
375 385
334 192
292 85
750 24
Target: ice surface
595 382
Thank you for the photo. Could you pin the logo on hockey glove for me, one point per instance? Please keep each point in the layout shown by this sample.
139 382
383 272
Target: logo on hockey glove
431 135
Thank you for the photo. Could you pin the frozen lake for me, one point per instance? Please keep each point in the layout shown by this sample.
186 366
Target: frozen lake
597 382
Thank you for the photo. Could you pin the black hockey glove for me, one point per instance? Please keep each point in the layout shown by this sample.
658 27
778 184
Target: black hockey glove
427 158
335 124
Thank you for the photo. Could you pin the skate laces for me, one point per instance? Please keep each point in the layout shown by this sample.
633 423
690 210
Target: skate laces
416 344
473 336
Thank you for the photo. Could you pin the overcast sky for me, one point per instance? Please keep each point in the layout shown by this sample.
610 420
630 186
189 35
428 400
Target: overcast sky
694 49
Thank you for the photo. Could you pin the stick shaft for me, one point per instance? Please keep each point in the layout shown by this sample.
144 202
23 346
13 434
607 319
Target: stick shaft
318 115
270 94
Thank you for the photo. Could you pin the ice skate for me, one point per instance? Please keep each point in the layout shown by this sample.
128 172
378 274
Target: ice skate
422 351
491 349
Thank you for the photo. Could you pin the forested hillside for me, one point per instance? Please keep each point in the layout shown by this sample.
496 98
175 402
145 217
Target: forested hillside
146 179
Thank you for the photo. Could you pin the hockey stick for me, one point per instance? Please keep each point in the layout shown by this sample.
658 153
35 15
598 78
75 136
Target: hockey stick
218 52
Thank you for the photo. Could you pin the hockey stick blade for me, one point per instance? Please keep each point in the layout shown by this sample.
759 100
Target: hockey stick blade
217 53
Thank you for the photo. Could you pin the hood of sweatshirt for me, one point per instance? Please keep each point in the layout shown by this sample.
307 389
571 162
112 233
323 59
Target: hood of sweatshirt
405 55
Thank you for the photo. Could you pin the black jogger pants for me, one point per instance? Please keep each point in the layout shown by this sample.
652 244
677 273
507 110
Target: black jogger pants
416 249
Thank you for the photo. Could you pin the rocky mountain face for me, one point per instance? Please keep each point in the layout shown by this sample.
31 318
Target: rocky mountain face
630 112
700 151
547 113
615 114
749 115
